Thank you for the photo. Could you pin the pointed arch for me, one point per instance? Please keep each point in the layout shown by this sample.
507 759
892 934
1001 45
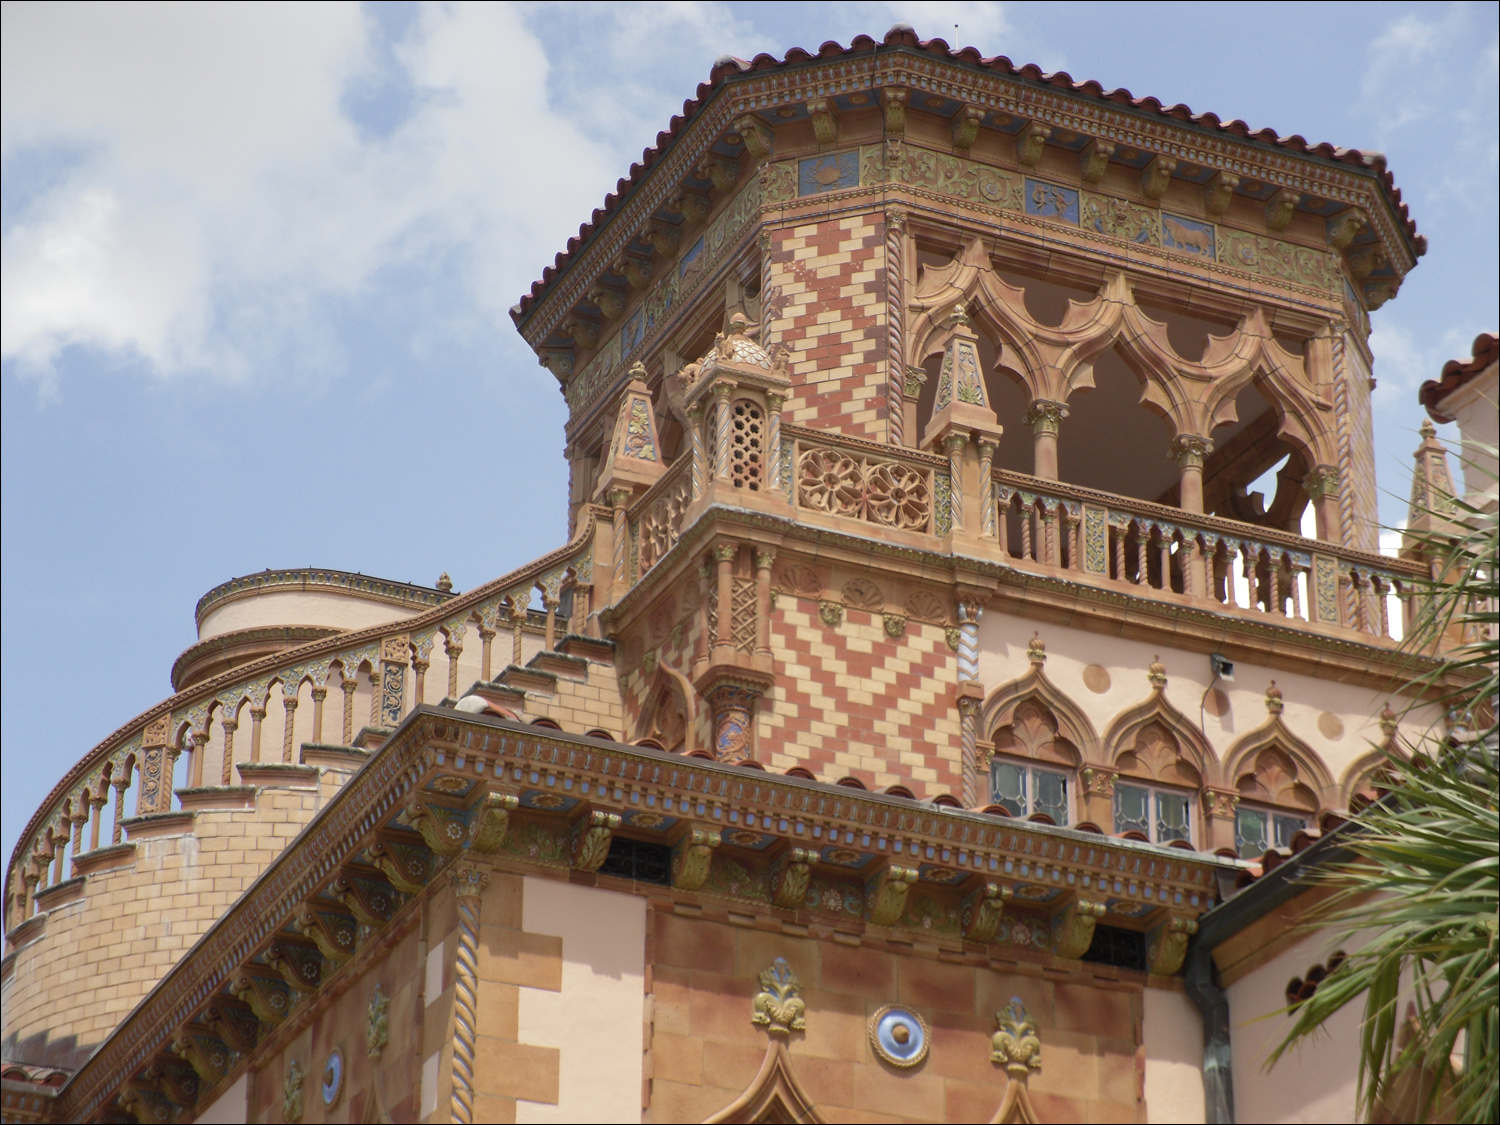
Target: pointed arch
1156 710
1244 759
1000 708
1015 1107
1360 774
774 1094
669 715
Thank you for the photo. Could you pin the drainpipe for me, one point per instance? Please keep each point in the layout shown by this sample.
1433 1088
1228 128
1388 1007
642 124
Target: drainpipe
1218 1067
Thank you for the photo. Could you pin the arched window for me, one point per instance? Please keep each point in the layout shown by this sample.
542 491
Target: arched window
1033 768
1275 802
1156 786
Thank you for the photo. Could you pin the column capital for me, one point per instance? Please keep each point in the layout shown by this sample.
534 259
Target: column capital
725 552
468 878
764 557
1045 416
1321 481
1189 450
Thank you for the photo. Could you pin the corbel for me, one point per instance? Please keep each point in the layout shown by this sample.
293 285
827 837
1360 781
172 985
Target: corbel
266 994
980 913
893 103
635 271
664 237
790 875
366 895
407 866
588 843
1156 175
1379 292
446 830
757 138
825 121
299 962
1030 143
1344 227
581 330
1279 209
204 1051
1166 945
966 126
724 173
610 302
332 931
494 821
1093 161
147 1104
1365 261
179 1084
559 361
1218 192
885 894
692 206
235 1023
1073 928
692 857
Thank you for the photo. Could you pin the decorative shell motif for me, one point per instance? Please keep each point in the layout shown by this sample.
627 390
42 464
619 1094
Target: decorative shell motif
779 1006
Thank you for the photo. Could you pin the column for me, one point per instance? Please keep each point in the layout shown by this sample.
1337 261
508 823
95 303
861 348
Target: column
319 694
774 403
723 648
954 444
468 880
764 557
1044 418
1189 451
289 734
1322 485
618 498
226 771
723 430
987 525
349 685
895 319
970 697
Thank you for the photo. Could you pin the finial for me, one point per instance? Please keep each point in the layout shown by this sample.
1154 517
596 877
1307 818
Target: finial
1427 429
1387 720
1157 674
1036 651
959 315
444 583
1273 699
638 371
737 323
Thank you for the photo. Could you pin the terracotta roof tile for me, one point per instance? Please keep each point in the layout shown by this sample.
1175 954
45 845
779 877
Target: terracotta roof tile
1457 372
727 67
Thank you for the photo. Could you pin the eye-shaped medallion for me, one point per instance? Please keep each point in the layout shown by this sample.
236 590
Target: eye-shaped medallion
333 1077
898 1036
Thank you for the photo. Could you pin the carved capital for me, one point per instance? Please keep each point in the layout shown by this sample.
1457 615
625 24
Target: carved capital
895 222
1321 481
1190 450
764 557
912 386
1073 928
1045 417
1096 780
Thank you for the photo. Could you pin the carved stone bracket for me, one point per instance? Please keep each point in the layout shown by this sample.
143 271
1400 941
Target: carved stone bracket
332 931
1073 928
790 877
980 913
885 894
589 841
692 857
1166 945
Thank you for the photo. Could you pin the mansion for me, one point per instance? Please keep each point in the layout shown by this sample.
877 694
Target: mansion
969 625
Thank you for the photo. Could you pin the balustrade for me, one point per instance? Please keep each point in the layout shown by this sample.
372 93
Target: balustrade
385 662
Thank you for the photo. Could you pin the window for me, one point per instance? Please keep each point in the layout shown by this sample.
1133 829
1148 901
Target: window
745 449
1161 815
1255 829
1023 790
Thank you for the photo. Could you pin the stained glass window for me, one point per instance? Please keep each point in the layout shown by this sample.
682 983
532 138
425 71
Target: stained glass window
1022 790
1161 815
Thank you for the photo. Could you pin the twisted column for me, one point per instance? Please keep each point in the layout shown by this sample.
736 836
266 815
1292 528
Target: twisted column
954 444
469 880
288 735
895 307
617 499
700 455
774 403
987 447
349 686
226 772
970 696
121 784
453 645
1345 533
723 426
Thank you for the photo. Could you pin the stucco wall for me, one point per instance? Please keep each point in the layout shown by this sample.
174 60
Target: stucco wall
333 610
1172 1031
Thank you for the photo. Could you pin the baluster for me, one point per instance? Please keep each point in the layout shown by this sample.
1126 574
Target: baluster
1164 546
1002 520
1361 601
1119 534
1073 528
1142 556
1293 573
1050 545
1028 514
1273 576
1231 549
1382 593
1250 560
1191 553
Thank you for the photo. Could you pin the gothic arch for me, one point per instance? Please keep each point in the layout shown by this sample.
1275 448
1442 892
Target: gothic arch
1072 724
1359 774
1156 711
669 713
1247 758
774 1094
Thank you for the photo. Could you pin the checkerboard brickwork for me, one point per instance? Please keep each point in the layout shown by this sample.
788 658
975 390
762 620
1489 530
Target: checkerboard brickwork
828 279
851 700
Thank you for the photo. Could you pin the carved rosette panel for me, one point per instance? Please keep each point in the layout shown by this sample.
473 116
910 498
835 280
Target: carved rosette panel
661 526
884 492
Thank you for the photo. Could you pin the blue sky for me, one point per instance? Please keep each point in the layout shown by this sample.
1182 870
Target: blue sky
257 261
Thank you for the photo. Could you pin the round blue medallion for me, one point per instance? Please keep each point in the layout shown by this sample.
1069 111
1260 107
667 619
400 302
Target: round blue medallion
333 1077
899 1036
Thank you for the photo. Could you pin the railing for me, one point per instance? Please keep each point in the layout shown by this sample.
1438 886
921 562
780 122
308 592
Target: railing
386 664
885 485
657 517
1139 544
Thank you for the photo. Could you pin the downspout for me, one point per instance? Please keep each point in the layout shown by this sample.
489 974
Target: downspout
1213 1004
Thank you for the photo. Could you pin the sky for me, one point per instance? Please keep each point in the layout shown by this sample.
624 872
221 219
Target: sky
256 262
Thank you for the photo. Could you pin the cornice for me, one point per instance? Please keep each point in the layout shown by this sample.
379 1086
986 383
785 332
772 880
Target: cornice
292 635
299 580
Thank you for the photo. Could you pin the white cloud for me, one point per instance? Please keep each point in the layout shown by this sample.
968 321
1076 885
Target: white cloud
1404 361
202 195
